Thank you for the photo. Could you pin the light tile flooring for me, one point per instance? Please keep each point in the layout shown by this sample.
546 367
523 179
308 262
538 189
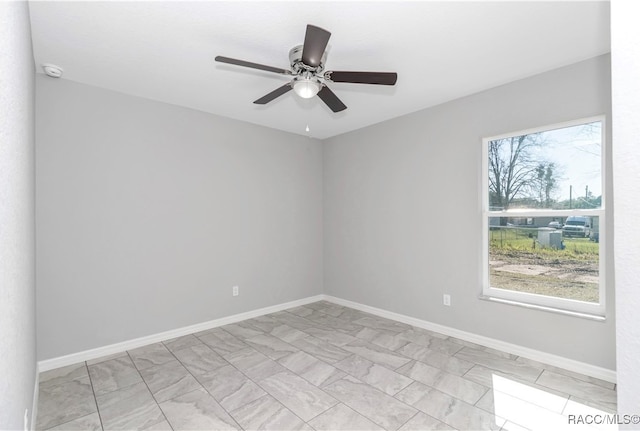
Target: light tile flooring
319 366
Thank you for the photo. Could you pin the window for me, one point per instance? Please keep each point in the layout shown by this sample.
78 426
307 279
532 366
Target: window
543 217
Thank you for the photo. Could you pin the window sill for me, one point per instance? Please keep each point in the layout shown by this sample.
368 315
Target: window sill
588 316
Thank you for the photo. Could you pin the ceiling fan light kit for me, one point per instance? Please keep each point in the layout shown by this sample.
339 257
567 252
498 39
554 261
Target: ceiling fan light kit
307 66
305 87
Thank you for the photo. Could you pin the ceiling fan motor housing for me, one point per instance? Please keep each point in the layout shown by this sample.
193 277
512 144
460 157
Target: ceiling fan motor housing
298 67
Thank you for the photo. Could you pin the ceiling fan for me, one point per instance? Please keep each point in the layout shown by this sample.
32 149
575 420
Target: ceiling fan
307 69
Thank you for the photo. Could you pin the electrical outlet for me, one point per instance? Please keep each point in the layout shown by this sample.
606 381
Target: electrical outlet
446 300
236 290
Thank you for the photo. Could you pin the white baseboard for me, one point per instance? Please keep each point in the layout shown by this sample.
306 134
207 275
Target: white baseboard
74 358
34 405
536 355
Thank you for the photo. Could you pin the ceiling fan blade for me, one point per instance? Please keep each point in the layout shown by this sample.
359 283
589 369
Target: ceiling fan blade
243 63
315 42
275 93
380 78
332 101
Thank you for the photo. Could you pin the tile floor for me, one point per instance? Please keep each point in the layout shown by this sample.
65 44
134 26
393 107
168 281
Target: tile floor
317 367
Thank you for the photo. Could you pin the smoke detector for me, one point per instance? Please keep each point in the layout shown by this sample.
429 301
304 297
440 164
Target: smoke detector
52 70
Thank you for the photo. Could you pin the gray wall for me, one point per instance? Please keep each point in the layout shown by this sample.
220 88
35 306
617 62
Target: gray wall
402 221
625 57
17 217
148 214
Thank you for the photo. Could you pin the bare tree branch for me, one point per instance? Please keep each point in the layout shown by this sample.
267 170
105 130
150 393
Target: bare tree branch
512 169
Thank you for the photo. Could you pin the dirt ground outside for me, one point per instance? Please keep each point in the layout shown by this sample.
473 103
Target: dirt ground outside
572 273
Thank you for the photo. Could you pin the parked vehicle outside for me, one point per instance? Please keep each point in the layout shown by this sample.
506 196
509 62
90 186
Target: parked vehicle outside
577 226
555 225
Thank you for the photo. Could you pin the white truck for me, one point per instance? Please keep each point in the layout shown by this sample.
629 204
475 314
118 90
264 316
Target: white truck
577 226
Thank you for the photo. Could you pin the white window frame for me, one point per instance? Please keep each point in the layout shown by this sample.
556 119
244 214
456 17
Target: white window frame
570 306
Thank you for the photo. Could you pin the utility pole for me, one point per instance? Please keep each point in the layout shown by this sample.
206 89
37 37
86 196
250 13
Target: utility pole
586 192
570 197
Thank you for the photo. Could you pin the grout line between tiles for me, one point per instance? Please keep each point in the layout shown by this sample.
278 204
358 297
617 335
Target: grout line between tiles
95 398
418 411
149 389
539 375
214 398
566 403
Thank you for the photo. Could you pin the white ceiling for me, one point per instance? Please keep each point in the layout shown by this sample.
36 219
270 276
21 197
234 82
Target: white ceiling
441 51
